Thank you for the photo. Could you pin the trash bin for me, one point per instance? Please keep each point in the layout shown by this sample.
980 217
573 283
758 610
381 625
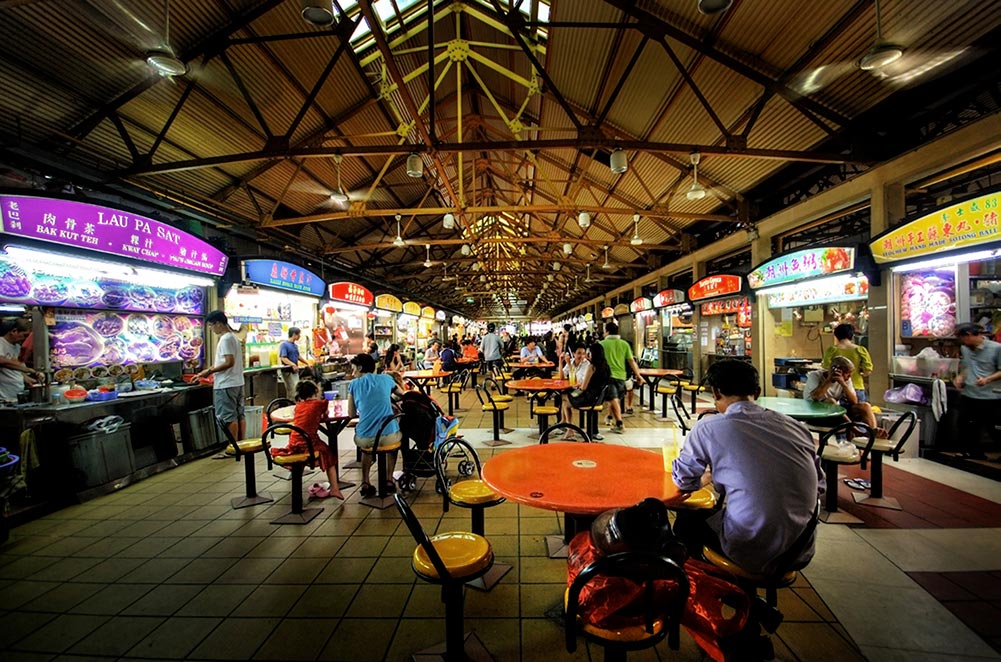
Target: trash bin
98 457
254 415
200 430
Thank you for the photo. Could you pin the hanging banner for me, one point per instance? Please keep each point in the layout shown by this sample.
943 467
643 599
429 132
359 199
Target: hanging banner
802 264
412 308
388 302
607 312
668 298
710 287
640 304
963 225
350 293
282 276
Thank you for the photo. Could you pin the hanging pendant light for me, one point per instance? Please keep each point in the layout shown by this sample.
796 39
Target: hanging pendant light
399 239
427 262
567 248
617 162
583 220
465 250
636 240
448 221
415 167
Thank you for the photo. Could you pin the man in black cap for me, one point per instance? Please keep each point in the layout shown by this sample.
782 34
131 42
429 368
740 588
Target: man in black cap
979 376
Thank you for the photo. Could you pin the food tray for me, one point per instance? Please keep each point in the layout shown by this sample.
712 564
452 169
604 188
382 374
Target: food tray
102 396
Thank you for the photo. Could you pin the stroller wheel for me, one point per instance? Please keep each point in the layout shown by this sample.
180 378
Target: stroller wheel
466 468
411 483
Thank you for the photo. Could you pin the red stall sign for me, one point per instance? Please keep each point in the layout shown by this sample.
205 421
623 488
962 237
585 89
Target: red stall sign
710 287
350 293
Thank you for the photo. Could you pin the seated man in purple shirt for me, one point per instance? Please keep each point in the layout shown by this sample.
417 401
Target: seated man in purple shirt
765 466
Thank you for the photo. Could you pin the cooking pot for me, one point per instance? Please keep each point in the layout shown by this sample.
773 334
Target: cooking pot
38 393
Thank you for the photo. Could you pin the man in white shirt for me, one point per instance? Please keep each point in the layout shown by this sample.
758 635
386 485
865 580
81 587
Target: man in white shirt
227 393
13 373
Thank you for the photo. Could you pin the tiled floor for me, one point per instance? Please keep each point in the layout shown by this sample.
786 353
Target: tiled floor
165 569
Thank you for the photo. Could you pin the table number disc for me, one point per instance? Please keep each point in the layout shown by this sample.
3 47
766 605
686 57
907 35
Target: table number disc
585 464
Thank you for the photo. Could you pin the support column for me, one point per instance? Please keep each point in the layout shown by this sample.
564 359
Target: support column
762 334
888 208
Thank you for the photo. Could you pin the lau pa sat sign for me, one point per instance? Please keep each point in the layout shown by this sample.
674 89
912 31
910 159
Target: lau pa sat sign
711 287
351 293
796 266
970 223
105 230
282 276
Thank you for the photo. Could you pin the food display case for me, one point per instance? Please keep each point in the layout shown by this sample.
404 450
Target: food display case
387 308
724 314
677 333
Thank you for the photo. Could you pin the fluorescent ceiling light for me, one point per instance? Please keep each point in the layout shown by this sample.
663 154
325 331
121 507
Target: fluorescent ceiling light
832 281
974 256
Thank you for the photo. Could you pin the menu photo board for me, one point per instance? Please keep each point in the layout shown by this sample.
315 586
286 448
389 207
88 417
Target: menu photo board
351 293
282 276
962 225
388 302
719 285
844 288
725 306
799 265
106 230
83 338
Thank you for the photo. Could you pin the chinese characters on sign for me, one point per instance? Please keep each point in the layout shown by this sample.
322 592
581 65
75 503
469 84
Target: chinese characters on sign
82 225
725 307
641 304
714 286
966 224
802 264
283 276
351 293
388 302
668 298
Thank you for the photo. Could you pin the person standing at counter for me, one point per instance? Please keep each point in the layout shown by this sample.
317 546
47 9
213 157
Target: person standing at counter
845 346
14 374
227 387
288 354
980 369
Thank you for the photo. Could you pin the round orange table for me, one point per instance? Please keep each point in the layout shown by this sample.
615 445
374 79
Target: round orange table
423 378
540 385
582 479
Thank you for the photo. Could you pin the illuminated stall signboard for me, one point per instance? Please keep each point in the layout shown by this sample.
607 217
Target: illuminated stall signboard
963 225
283 276
621 309
412 308
351 293
802 264
388 302
668 298
641 304
106 230
607 312
710 287
427 312
726 306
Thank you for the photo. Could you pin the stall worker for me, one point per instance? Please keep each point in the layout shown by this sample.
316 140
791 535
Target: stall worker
288 354
431 354
14 375
227 386
980 371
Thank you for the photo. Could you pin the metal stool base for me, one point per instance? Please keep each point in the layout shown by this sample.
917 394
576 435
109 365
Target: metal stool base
378 502
473 647
556 547
838 517
492 576
305 517
880 502
246 502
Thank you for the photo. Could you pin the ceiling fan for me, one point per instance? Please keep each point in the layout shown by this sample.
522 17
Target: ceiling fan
892 62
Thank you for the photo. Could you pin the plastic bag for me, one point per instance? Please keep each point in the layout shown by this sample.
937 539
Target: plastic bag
913 393
894 395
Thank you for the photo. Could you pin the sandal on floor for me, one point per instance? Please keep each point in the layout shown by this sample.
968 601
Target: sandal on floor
854 484
367 490
320 490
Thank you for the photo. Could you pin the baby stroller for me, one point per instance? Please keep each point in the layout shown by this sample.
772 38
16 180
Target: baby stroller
420 428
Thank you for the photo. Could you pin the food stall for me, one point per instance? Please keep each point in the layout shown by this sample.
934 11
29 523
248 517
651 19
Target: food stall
426 327
406 326
387 307
646 323
946 270
119 303
346 316
272 297
677 333
806 293
724 315
624 319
